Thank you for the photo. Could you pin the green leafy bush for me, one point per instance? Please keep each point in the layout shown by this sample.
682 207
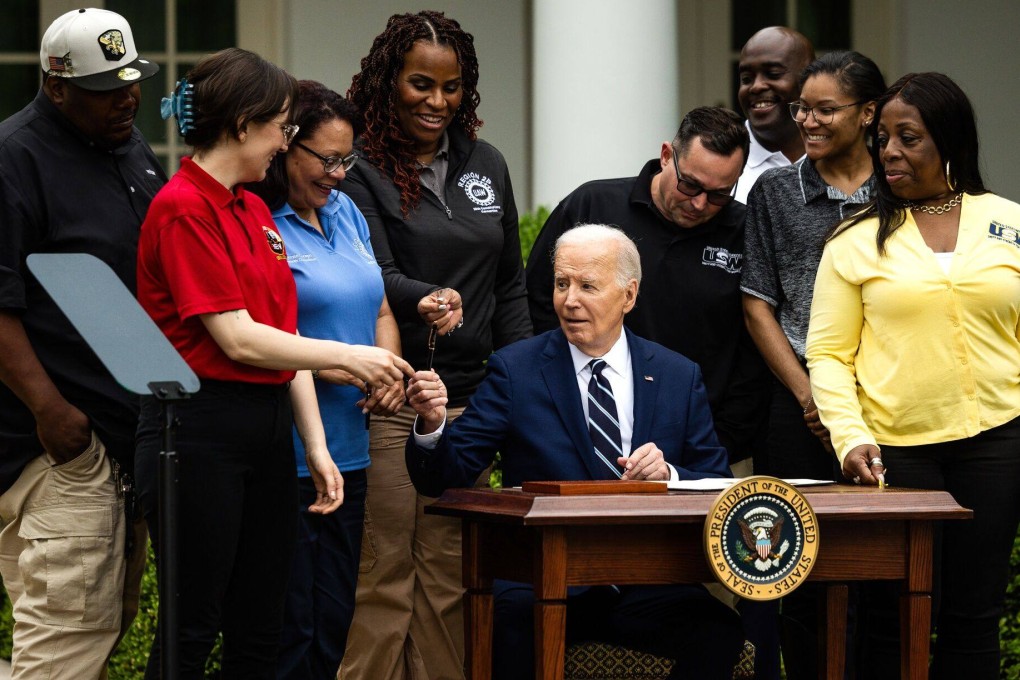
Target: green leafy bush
1009 626
529 226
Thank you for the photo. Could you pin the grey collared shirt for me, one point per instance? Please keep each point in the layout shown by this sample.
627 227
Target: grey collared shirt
433 175
790 211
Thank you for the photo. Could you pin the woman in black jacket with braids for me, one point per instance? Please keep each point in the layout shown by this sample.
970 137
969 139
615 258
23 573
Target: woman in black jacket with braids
444 229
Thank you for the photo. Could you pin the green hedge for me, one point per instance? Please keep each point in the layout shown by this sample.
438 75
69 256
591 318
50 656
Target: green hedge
1009 625
529 224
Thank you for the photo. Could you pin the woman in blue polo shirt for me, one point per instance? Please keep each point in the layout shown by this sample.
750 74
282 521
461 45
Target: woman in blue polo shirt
340 297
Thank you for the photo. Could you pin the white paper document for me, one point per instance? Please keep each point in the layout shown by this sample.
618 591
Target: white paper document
718 484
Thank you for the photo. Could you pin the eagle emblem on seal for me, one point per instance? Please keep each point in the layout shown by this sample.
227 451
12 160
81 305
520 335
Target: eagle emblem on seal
761 530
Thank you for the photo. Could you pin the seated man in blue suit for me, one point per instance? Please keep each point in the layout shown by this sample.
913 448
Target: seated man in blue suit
588 400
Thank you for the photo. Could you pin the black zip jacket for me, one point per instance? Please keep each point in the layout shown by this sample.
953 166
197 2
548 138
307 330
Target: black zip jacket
470 244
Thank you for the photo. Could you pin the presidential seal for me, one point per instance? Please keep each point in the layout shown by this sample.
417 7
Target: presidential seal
761 538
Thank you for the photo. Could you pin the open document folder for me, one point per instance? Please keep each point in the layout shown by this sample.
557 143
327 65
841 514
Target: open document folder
718 484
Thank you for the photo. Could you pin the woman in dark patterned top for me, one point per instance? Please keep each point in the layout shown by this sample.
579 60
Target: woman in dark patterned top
790 211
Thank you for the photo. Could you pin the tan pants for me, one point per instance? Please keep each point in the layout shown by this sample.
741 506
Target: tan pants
62 562
408 618
134 570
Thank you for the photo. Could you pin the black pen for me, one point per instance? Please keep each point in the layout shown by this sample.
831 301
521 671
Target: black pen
433 333
368 414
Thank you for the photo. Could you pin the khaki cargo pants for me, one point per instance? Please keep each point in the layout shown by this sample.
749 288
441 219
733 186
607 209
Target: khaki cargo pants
62 562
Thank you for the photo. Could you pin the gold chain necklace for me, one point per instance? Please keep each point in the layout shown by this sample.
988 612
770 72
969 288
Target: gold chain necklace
937 209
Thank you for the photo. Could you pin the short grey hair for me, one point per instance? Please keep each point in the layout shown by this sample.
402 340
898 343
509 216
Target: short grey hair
628 261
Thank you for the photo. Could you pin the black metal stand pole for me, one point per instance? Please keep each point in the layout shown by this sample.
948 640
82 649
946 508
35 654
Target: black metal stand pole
142 361
168 394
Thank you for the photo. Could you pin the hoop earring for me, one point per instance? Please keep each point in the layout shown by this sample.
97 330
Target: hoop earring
950 182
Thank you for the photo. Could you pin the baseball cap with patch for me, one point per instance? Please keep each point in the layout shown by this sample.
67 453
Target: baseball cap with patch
94 48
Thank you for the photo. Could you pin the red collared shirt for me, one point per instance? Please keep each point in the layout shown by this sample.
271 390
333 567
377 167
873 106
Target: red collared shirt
205 250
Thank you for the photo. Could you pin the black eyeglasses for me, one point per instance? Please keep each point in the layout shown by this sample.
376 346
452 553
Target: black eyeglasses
332 163
823 115
686 187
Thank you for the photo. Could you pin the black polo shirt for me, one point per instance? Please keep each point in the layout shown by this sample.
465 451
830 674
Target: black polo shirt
59 193
689 298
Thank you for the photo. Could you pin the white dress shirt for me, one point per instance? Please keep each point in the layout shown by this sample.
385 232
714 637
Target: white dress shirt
759 159
619 371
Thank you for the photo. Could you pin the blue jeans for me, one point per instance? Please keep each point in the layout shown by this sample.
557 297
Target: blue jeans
323 582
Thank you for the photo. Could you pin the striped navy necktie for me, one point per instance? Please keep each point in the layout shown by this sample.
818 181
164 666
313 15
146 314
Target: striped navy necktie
603 421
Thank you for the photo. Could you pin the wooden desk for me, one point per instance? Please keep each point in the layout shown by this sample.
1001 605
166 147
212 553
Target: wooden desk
556 541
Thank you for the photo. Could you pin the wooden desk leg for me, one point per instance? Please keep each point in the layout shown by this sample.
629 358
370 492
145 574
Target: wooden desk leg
832 643
478 631
550 580
550 643
915 603
477 606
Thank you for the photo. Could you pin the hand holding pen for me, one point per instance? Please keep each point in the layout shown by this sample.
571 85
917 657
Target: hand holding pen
442 308
863 465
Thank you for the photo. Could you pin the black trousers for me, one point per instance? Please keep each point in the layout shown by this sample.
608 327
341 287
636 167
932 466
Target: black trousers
680 622
237 525
323 583
971 557
792 451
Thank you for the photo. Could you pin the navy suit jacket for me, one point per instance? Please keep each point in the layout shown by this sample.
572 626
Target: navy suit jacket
528 408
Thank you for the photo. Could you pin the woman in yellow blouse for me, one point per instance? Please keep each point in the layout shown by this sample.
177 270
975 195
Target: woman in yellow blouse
914 359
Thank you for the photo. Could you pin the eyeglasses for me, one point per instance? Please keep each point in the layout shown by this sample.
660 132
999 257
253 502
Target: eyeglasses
823 115
686 187
289 132
332 163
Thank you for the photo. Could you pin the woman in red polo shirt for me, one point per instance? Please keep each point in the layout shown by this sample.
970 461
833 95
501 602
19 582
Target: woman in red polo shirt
213 274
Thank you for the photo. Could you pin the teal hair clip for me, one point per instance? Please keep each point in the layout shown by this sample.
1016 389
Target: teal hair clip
181 105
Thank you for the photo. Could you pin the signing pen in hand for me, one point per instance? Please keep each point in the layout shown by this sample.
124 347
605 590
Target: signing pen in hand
433 334
368 414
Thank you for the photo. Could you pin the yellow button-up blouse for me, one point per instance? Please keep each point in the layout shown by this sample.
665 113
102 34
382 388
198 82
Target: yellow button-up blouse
901 352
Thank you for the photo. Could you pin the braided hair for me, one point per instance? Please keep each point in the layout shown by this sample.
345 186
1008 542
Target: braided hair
374 91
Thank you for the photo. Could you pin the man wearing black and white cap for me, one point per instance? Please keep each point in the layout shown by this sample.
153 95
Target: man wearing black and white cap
75 176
